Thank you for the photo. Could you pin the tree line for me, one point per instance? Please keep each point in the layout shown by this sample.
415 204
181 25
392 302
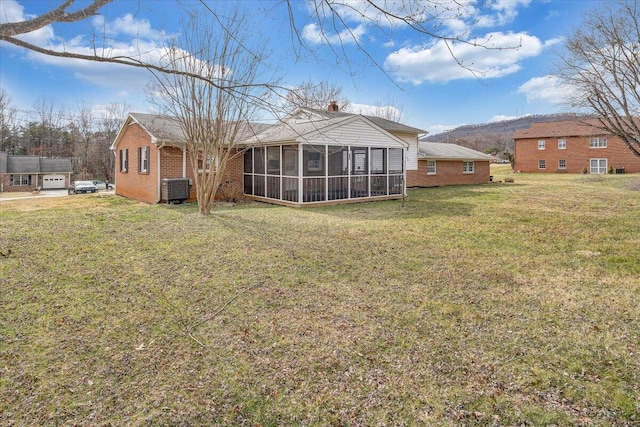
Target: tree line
52 130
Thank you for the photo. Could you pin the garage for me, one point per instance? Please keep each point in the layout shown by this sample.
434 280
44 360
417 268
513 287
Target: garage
50 182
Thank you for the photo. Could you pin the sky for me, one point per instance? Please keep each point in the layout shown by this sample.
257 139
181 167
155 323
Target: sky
505 54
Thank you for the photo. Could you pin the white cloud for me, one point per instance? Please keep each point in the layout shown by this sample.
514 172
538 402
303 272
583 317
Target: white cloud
547 89
373 110
440 128
314 34
495 55
12 11
504 12
129 26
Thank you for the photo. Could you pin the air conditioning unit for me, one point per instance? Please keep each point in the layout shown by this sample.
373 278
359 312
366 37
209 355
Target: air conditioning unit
175 189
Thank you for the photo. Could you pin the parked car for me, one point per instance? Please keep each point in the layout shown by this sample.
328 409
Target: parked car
78 187
101 185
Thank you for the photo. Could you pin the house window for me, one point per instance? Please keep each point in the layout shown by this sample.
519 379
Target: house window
562 164
542 164
562 144
378 160
290 160
395 160
598 166
20 180
541 144
431 167
273 160
468 167
124 160
313 160
143 159
359 161
598 143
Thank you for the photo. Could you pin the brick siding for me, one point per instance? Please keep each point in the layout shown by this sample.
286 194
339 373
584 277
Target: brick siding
577 155
145 186
448 172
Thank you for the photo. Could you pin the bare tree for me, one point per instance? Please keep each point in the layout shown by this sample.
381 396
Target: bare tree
601 66
51 118
213 117
109 123
84 142
389 110
316 95
8 126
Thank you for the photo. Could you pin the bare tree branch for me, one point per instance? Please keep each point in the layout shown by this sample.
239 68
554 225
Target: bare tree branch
601 65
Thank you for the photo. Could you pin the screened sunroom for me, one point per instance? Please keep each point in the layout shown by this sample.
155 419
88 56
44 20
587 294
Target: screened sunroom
300 174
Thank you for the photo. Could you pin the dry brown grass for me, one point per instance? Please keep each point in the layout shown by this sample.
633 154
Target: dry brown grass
502 304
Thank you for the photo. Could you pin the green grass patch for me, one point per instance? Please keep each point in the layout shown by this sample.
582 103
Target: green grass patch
498 304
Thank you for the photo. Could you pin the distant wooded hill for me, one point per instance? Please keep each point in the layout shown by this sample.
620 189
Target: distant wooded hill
493 138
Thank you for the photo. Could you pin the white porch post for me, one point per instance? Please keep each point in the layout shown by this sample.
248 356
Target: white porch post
300 173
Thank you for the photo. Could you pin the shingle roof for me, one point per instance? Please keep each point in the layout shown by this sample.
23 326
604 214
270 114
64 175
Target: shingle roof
385 124
55 165
583 127
33 164
444 151
167 129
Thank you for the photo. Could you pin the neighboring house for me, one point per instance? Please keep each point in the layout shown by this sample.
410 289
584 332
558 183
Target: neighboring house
442 163
572 147
29 173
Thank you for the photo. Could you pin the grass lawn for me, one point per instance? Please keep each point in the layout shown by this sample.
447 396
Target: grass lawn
499 304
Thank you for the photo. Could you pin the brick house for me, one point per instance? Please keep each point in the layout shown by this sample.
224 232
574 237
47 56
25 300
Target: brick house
150 148
310 157
442 163
572 147
29 173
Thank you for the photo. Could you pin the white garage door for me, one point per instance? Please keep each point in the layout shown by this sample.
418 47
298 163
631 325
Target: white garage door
52 181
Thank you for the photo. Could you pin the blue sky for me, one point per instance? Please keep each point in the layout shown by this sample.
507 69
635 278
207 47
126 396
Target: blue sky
414 72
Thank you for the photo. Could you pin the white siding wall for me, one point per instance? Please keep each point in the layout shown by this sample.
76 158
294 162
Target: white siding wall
355 133
412 151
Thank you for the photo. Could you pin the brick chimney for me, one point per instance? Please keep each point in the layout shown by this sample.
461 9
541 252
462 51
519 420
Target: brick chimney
333 107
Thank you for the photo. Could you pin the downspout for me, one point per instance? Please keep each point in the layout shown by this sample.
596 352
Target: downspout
159 180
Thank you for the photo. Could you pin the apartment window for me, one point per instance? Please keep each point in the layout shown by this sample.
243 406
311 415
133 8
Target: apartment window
541 144
468 167
431 167
124 160
562 164
143 159
598 166
598 143
542 164
21 180
562 144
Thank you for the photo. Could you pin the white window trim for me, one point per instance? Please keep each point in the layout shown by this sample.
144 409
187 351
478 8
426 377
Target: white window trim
598 142
542 144
597 168
562 144
465 167
435 167
562 167
542 164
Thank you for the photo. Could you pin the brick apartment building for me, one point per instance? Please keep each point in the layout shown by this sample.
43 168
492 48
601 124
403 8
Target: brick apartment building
572 147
